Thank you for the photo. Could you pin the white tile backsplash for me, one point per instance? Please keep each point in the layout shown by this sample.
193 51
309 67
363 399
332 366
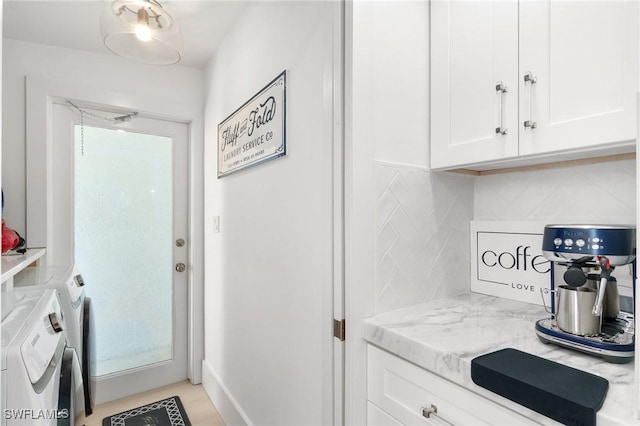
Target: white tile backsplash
422 235
596 193
422 218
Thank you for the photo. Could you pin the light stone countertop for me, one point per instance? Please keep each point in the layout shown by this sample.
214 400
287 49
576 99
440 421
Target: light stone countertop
443 336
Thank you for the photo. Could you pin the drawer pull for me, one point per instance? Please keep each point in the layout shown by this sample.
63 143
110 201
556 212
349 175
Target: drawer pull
431 413
428 412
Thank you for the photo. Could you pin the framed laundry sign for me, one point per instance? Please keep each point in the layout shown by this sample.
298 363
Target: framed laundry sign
255 132
507 261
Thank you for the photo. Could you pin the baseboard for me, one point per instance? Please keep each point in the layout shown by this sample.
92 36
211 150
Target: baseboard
224 402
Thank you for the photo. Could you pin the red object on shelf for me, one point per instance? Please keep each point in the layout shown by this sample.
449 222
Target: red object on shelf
10 238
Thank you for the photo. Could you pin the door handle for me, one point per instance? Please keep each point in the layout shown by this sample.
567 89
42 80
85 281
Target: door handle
530 80
501 89
181 267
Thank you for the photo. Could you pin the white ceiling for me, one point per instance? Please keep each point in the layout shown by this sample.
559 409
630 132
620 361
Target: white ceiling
76 24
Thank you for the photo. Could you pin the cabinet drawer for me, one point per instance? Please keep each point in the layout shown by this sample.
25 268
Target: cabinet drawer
377 417
402 389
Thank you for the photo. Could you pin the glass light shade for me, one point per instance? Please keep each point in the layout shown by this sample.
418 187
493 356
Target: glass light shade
163 45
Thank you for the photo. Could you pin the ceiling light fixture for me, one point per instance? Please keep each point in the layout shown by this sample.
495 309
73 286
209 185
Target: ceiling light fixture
141 30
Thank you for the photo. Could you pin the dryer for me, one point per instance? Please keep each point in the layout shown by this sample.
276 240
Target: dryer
69 285
37 376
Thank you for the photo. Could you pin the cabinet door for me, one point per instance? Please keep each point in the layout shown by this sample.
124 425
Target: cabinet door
474 48
584 56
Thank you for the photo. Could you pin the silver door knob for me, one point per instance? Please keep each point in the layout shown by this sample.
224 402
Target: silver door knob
180 267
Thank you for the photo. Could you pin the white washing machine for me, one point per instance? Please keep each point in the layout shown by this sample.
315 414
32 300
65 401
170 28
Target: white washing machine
69 285
39 372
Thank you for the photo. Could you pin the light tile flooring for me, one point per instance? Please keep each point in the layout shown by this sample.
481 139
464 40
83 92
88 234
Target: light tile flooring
196 403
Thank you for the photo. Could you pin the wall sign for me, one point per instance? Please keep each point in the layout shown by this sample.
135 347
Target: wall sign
255 132
507 261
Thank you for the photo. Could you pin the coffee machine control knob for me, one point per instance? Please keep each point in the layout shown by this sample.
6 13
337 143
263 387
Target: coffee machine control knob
557 241
580 242
568 242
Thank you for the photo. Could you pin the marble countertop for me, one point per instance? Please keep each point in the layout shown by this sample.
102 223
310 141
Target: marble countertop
443 336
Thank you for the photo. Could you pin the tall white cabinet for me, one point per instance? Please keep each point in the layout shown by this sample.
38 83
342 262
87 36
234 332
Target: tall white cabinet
517 80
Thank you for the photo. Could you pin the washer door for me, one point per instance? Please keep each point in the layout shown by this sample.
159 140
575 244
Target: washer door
69 376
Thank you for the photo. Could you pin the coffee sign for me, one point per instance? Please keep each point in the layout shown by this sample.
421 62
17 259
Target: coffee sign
507 261
255 132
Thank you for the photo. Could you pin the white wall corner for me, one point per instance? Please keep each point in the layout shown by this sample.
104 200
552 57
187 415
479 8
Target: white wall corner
225 403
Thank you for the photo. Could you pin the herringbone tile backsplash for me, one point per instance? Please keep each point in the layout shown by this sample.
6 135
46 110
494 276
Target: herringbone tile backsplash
590 193
422 218
422 235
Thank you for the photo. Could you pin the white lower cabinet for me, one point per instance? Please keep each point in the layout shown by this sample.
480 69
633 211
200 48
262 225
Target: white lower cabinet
401 393
377 417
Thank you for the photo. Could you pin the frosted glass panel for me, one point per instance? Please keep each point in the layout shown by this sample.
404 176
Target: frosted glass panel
123 244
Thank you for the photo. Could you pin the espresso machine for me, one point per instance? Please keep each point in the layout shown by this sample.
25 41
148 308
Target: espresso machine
587 312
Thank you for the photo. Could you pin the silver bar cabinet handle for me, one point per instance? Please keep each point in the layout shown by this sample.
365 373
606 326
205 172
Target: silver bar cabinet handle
530 80
502 89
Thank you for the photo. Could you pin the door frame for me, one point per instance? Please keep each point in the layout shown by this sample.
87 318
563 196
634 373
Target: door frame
40 96
145 375
338 118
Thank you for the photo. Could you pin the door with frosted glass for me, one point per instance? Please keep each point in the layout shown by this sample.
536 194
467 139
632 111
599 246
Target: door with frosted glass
128 208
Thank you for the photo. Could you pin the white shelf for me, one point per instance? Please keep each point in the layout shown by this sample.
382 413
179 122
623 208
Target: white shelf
13 264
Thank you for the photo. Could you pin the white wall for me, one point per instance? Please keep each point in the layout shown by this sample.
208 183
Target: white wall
1 55
269 344
421 218
393 83
406 227
107 72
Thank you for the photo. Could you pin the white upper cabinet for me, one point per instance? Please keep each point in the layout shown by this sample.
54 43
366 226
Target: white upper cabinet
474 81
584 56
570 69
